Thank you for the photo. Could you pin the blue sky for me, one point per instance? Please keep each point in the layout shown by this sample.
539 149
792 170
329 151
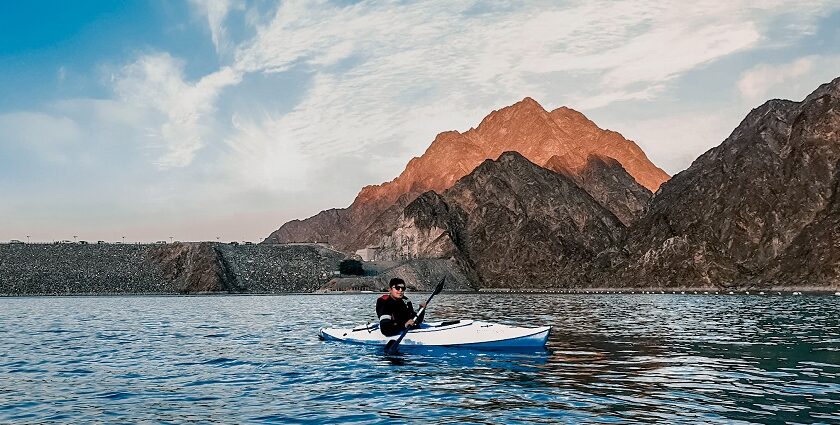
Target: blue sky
206 119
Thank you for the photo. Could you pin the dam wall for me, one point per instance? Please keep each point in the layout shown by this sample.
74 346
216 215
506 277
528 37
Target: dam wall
179 268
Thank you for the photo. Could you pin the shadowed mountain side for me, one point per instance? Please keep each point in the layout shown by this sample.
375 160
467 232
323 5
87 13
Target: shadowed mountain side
606 180
756 201
527 225
813 258
524 127
418 274
426 228
510 220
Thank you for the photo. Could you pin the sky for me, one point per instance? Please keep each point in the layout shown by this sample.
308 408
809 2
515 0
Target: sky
222 120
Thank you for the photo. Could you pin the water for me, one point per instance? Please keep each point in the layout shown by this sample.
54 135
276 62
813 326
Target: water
611 358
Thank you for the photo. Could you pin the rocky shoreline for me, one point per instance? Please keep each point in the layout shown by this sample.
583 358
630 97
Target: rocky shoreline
215 268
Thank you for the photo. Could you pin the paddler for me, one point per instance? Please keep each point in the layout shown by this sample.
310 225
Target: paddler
395 311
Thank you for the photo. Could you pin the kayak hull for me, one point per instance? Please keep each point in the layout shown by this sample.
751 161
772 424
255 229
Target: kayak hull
460 333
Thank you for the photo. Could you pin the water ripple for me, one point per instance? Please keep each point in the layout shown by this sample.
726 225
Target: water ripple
610 359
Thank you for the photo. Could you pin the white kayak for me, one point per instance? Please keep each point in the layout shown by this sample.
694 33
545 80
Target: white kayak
455 333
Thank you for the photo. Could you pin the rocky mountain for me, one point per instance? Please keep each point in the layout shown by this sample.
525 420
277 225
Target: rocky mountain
759 210
762 210
562 136
606 180
509 223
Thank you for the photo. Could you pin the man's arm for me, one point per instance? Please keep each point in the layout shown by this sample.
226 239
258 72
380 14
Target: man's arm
415 319
381 311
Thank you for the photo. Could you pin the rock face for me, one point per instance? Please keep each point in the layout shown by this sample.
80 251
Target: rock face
812 261
561 135
606 180
193 268
762 210
758 209
508 224
419 275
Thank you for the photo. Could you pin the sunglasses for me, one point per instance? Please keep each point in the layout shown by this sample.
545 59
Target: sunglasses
400 288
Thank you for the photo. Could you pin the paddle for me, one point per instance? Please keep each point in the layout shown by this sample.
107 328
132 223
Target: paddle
391 346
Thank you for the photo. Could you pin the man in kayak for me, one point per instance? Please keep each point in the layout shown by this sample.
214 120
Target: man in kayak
395 311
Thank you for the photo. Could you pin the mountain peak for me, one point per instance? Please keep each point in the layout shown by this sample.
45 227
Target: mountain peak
526 107
529 102
523 130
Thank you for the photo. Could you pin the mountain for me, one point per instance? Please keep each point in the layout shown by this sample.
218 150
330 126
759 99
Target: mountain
510 223
562 135
759 210
762 210
606 180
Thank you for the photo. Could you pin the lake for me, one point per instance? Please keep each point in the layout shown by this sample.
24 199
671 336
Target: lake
257 359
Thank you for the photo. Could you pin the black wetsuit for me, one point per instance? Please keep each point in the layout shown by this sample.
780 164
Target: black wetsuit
393 314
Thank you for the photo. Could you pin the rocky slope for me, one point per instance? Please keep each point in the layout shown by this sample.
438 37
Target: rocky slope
561 135
418 274
606 180
507 224
179 268
760 208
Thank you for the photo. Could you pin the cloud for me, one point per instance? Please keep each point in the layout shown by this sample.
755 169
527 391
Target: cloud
344 93
375 68
674 141
46 137
790 80
265 157
757 82
216 12
157 82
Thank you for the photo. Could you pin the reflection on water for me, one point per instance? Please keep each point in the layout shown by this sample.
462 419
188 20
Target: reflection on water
610 358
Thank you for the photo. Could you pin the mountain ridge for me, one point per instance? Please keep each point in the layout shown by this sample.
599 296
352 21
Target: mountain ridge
524 127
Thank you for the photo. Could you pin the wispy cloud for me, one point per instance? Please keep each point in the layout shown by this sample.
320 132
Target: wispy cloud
757 82
402 57
216 11
789 80
364 86
157 82
674 141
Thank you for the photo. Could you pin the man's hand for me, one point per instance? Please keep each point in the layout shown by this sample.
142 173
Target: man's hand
409 323
423 305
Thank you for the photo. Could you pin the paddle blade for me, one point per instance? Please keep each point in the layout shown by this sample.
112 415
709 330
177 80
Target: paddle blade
390 347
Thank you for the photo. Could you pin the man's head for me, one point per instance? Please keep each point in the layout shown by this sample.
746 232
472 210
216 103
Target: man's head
396 288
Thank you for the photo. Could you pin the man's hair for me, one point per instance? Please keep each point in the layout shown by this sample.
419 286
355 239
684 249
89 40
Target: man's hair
395 281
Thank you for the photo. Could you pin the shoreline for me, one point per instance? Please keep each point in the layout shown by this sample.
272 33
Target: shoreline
803 291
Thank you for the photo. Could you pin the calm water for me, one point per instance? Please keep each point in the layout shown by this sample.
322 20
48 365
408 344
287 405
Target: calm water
611 358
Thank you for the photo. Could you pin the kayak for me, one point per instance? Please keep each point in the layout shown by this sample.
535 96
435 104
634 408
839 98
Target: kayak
455 333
